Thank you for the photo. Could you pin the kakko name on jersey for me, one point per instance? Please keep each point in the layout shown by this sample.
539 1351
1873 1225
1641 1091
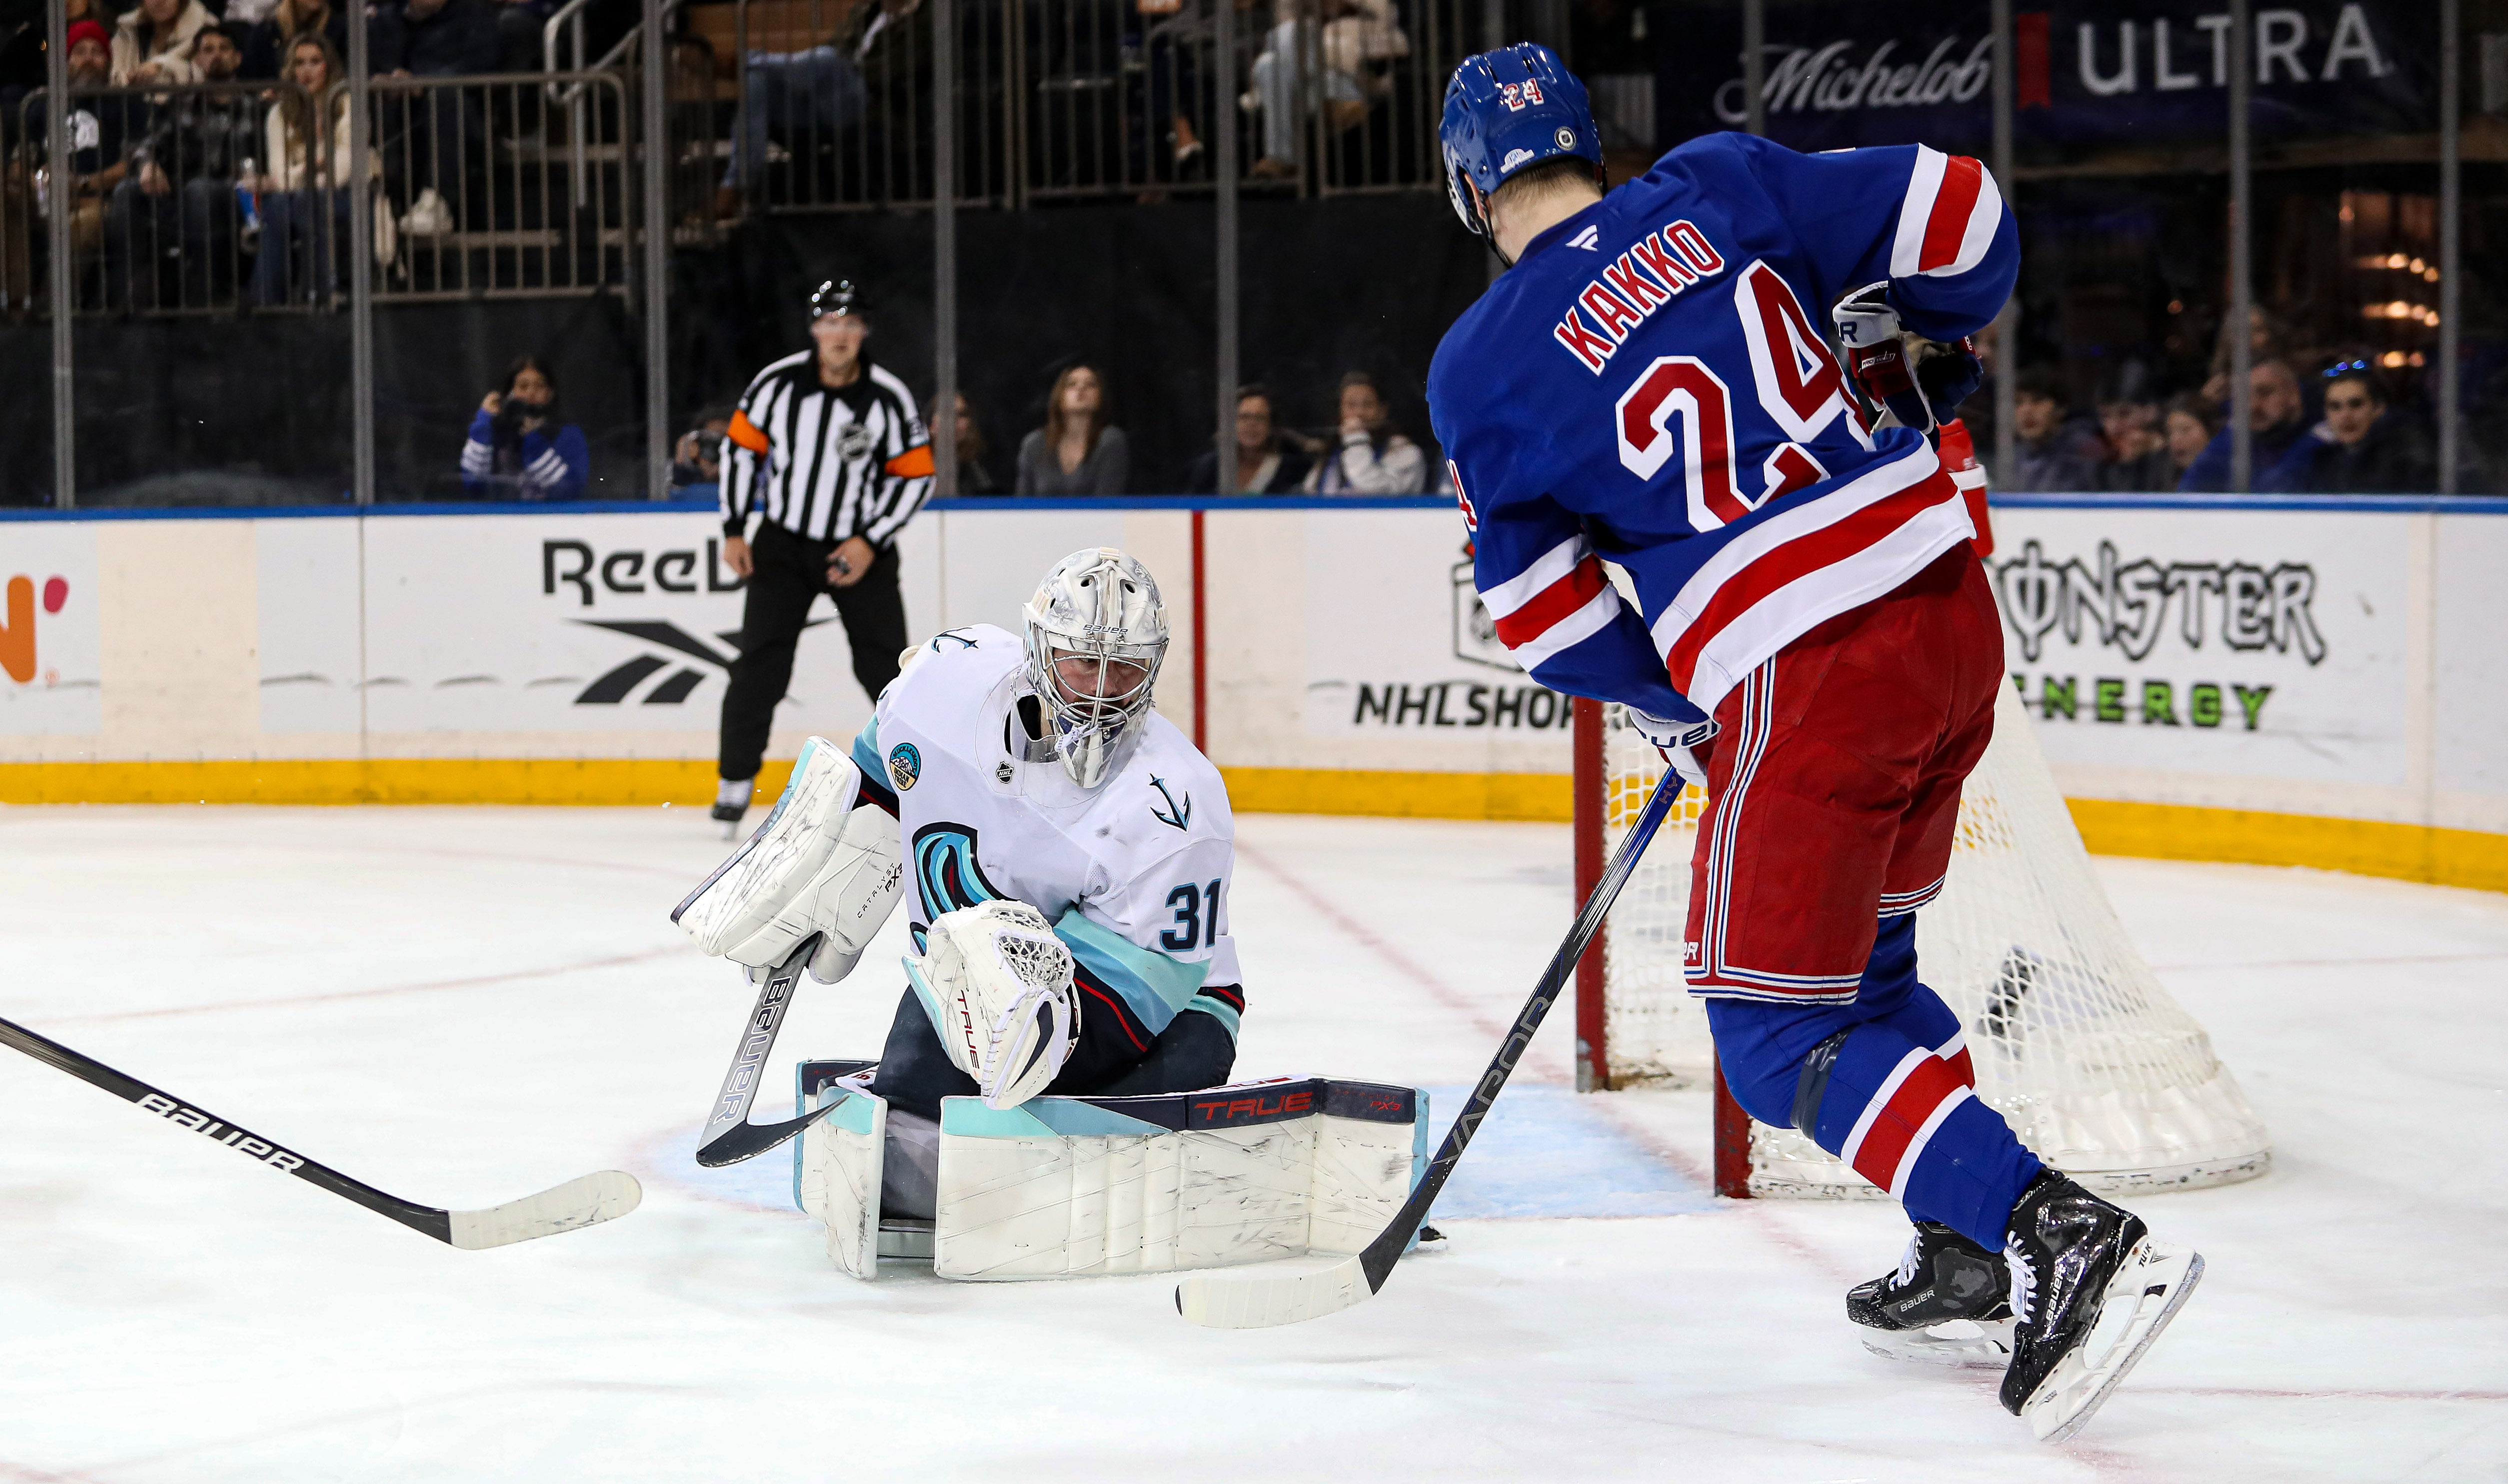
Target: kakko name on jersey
1132 874
1650 384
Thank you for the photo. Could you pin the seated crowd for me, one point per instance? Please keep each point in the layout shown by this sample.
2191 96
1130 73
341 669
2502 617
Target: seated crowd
205 177
1079 449
2339 430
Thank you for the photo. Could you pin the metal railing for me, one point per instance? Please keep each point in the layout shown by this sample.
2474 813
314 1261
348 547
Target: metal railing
173 208
492 186
495 194
830 104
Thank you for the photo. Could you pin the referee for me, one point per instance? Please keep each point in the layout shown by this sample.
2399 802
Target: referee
828 449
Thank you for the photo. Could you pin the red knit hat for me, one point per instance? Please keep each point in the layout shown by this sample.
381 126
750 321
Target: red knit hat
91 31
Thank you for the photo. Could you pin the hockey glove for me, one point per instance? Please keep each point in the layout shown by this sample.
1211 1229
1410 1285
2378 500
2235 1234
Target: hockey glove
996 982
1922 382
1676 741
823 863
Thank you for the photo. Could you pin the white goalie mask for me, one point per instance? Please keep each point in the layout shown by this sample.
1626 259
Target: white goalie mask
1096 634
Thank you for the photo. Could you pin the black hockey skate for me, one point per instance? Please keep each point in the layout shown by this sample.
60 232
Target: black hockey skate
1946 1303
2090 1291
732 804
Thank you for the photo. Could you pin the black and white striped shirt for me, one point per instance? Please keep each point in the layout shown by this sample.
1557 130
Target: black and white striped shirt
826 463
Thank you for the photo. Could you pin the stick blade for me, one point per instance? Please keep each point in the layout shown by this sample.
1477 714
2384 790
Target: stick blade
587 1202
747 1141
1287 1292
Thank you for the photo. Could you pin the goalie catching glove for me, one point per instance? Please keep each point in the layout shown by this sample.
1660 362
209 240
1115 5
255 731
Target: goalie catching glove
997 985
1922 382
818 865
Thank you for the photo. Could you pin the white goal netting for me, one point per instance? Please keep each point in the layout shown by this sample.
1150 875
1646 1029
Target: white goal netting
2075 1041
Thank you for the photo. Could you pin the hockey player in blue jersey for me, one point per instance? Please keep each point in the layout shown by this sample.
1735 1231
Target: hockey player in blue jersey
1814 642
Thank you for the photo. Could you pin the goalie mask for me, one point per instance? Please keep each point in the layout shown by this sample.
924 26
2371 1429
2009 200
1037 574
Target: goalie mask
1096 634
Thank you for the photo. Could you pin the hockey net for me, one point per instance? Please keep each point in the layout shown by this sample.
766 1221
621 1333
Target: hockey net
2075 1041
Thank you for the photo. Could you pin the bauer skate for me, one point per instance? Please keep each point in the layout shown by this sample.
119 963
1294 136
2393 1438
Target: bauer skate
1946 1303
2090 1291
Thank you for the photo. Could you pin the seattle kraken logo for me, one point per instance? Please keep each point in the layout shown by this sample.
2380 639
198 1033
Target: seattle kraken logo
1178 815
946 871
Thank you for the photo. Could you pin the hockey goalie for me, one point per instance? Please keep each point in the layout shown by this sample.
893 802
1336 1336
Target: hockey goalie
1067 855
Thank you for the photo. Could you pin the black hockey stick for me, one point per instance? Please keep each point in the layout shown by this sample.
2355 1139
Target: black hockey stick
729 1136
1255 1299
595 1197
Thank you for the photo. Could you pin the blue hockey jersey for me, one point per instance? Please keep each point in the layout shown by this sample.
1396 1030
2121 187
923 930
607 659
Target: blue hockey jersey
1651 384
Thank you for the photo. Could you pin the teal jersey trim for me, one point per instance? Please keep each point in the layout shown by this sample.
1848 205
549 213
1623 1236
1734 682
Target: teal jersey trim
1156 987
867 751
1038 1118
1217 1009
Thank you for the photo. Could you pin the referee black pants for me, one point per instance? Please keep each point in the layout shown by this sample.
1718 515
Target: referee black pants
788 574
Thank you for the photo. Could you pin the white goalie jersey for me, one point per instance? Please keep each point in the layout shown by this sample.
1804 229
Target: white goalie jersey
1133 875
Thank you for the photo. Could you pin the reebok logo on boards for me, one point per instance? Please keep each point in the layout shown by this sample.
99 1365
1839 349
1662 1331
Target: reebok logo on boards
18 634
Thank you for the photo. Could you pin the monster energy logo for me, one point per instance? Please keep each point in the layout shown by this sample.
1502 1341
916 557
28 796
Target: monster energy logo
2127 604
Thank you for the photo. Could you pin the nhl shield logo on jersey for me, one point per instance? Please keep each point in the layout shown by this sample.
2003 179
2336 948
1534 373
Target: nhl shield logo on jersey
904 765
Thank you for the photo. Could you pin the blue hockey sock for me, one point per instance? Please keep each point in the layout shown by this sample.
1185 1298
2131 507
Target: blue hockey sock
1906 1120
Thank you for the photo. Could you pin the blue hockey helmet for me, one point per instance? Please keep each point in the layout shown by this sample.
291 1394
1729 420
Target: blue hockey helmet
1506 110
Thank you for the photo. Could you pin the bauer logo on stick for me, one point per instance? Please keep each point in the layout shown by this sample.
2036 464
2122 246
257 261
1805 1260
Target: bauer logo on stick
234 1139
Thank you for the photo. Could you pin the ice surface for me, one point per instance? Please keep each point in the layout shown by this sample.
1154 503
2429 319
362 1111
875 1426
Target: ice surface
467 1005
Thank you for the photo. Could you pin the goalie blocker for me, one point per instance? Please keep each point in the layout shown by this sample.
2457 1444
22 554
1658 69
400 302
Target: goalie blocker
1069 1187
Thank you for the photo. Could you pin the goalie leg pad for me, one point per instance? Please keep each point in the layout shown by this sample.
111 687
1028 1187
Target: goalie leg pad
817 865
842 1174
1066 1187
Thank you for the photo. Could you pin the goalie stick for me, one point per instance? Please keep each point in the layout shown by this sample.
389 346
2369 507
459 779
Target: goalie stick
729 1136
590 1199
1291 1292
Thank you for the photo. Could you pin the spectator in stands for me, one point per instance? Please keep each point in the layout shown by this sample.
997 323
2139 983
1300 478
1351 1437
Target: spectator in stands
2268 339
806 99
270 46
2137 454
175 218
1373 457
1357 37
2274 402
2359 449
97 129
434 141
153 43
518 449
2190 423
696 464
522 26
1265 463
1075 452
2055 452
975 473
304 214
